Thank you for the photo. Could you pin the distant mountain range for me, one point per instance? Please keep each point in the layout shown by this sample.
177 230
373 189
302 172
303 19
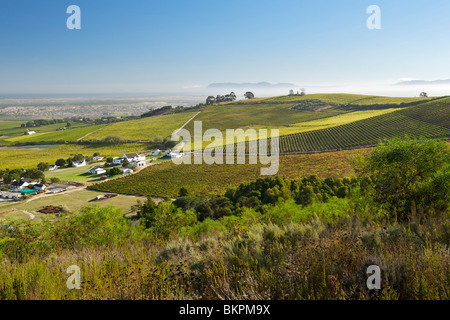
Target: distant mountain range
259 85
423 82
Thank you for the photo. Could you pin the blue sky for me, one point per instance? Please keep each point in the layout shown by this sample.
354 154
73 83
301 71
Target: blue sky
154 46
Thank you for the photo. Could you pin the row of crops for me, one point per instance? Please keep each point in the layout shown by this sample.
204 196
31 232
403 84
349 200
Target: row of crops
435 112
428 124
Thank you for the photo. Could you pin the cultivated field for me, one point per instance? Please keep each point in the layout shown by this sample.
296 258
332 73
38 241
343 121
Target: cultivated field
166 179
16 157
146 128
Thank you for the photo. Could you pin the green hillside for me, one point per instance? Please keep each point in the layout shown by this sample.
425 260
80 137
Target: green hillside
361 133
145 128
435 112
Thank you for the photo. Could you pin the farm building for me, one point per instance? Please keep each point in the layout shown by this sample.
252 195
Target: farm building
176 154
97 171
126 171
40 187
30 132
21 184
27 191
137 164
132 158
156 152
78 164
52 167
10 195
97 158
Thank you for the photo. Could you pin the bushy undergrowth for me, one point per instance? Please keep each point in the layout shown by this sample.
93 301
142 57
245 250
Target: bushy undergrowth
287 252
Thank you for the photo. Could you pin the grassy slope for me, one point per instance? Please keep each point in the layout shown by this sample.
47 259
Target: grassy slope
66 135
72 200
146 128
435 112
233 116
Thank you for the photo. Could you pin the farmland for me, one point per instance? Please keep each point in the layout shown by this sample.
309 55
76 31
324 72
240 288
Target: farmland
360 133
144 129
12 132
15 157
69 200
347 99
233 116
166 179
64 135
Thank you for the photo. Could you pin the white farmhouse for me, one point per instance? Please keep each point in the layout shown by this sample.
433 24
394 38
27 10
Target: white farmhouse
78 164
97 171
137 164
134 159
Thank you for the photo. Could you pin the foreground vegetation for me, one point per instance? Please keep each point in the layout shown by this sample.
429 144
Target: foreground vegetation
273 238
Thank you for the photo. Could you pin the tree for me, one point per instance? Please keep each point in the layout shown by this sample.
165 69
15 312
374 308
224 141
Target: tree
249 95
423 94
406 174
55 180
183 192
43 166
114 172
109 160
125 163
78 157
68 124
34 174
147 212
60 162
210 100
291 92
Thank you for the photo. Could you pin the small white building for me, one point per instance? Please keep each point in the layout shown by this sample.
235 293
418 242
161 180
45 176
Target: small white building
52 167
78 164
134 159
97 171
97 158
156 152
127 171
22 184
176 154
30 132
117 160
40 187
137 164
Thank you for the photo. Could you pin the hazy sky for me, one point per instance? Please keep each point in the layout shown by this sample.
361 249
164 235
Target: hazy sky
152 46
